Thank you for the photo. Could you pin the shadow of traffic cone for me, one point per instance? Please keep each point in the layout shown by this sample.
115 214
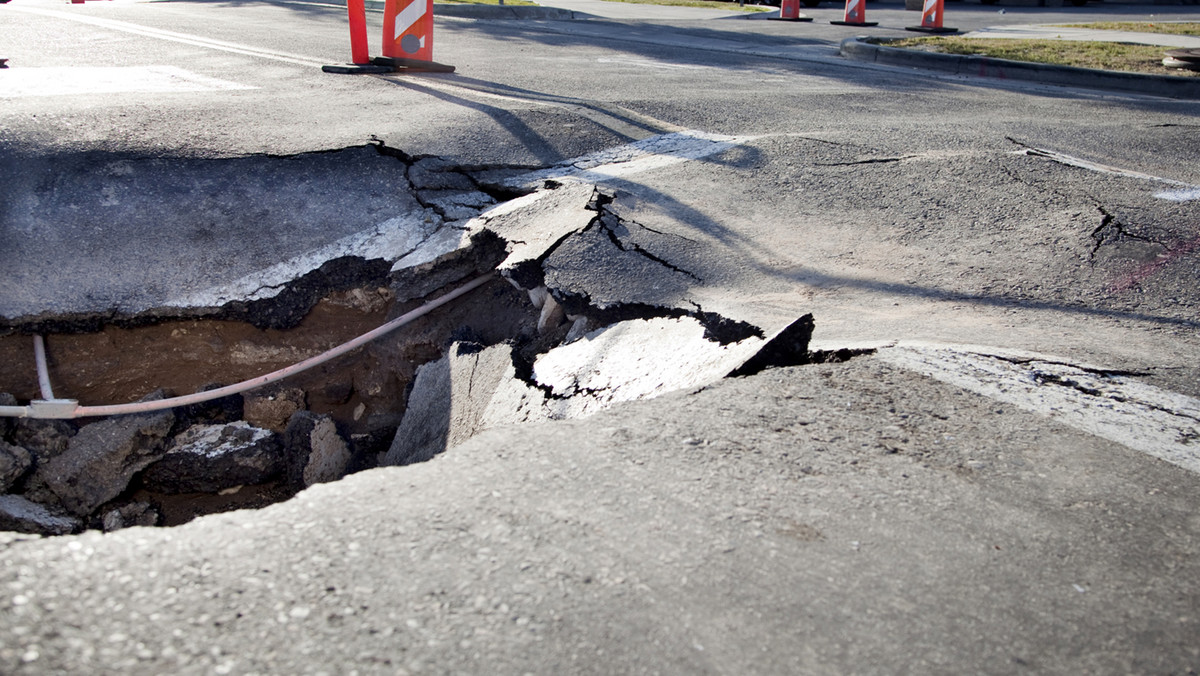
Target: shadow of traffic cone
408 37
931 19
789 10
360 54
856 15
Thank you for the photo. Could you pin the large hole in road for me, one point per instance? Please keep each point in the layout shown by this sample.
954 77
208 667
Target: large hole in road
531 343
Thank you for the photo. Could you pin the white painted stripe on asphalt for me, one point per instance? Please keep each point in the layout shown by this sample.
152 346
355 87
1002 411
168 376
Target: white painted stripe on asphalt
1157 422
75 80
1188 193
172 36
1185 195
654 152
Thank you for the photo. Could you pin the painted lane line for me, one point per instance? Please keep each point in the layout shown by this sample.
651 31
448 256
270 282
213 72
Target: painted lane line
1186 193
182 38
1160 423
78 80
654 152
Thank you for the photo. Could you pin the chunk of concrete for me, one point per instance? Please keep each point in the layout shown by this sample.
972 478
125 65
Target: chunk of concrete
271 409
46 439
25 516
128 516
316 452
459 395
15 461
212 458
644 358
102 458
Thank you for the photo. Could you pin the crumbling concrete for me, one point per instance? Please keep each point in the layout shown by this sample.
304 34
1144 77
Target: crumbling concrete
15 461
130 515
20 514
468 390
212 458
315 451
271 409
103 457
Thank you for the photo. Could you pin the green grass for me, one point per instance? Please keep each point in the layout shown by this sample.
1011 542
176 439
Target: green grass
1103 55
1141 27
708 4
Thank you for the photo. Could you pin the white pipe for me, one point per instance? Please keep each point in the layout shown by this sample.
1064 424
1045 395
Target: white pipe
39 356
161 404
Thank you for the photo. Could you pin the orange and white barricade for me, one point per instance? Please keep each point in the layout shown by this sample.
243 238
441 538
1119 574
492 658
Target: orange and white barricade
931 18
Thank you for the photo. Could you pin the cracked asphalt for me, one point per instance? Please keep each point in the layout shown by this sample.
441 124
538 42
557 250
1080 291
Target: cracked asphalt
1003 479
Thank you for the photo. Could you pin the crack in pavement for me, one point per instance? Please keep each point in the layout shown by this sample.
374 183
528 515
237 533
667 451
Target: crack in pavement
1111 231
875 160
604 222
1187 192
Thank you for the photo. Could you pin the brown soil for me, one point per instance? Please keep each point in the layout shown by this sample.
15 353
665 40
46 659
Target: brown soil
118 365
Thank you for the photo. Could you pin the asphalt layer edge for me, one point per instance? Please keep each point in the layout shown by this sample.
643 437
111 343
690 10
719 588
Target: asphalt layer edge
857 48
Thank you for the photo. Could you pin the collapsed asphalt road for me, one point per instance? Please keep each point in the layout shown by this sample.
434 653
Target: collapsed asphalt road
131 471
994 470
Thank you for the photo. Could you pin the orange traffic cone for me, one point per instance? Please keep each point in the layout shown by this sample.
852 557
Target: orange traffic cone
789 10
856 15
360 55
408 36
931 19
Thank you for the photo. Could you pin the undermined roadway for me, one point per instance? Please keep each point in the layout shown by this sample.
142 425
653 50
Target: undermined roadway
774 365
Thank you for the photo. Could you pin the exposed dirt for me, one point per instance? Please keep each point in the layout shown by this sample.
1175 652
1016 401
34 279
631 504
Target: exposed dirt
117 365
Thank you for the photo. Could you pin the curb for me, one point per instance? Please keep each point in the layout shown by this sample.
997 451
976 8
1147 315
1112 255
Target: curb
982 66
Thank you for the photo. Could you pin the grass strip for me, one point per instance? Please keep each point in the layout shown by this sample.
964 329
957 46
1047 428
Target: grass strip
1103 55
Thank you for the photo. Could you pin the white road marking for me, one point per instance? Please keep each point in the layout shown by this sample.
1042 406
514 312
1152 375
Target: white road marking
73 80
1157 422
1187 193
654 152
173 36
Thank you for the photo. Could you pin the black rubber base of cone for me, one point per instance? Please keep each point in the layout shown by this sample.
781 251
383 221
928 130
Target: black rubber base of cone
931 29
412 65
855 23
357 69
799 18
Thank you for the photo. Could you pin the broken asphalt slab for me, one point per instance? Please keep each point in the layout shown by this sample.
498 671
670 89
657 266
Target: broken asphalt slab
830 518
474 388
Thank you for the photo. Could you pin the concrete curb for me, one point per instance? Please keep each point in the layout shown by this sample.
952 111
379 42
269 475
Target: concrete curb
1140 83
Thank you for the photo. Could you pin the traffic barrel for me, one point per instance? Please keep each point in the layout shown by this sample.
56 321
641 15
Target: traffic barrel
931 19
789 10
856 15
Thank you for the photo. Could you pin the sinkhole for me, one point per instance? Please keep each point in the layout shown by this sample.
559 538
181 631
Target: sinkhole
257 264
